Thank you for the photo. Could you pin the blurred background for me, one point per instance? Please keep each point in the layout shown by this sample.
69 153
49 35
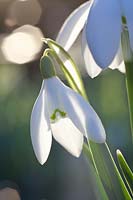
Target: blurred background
22 25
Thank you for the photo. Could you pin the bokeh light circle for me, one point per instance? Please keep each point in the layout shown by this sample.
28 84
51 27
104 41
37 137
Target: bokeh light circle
23 44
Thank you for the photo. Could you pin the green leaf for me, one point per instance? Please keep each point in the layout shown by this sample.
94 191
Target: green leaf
68 66
100 193
108 172
127 173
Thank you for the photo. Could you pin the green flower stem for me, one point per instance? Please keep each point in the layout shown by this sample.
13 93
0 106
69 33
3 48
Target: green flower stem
129 84
100 192
128 60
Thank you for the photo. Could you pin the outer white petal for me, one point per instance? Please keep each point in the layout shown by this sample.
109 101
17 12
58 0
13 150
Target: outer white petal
66 134
92 68
118 62
128 12
103 30
73 25
122 68
40 128
53 95
81 113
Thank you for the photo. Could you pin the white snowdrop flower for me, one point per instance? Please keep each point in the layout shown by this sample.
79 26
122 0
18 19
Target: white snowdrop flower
64 114
102 22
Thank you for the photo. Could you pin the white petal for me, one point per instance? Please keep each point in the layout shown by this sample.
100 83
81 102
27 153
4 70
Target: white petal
82 114
73 25
40 128
66 134
122 68
77 107
103 30
92 68
128 11
118 60
53 95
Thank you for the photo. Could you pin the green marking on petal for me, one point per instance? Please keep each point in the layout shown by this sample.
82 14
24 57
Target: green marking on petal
57 114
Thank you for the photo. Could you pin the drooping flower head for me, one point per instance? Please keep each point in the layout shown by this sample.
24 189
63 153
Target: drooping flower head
62 113
105 23
102 22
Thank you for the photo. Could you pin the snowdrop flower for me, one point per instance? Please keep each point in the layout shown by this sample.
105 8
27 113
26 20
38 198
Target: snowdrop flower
64 114
101 22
